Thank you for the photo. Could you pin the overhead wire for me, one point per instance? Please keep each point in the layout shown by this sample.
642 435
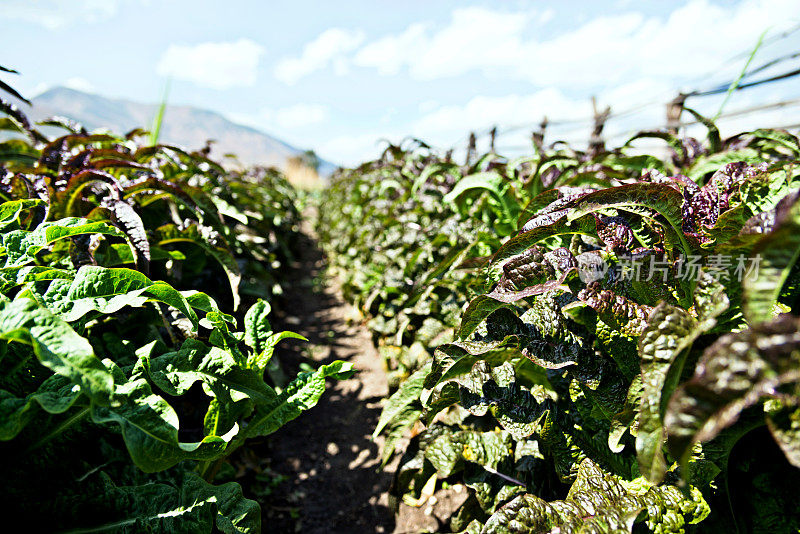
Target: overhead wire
662 101
626 134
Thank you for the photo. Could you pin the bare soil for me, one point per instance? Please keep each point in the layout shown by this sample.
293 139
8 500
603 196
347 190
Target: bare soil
320 473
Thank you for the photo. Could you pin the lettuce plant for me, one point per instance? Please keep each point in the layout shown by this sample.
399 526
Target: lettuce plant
127 377
620 356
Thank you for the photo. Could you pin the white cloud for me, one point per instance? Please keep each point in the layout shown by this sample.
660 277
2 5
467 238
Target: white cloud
428 105
517 115
287 119
604 51
640 101
546 16
631 61
352 149
216 65
442 125
54 14
329 48
481 112
475 38
80 84
390 53
389 114
300 115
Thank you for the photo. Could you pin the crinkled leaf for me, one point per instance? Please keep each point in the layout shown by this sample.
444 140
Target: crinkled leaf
483 305
489 181
150 425
57 346
776 253
175 372
214 244
194 506
56 395
21 246
662 347
300 395
256 326
734 373
11 210
601 502
448 452
625 315
784 424
496 391
455 359
408 393
661 198
558 224
108 290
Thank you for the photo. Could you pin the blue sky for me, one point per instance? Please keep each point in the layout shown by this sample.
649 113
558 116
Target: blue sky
338 76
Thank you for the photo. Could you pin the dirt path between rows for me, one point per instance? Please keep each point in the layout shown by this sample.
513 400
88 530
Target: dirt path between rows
319 473
326 457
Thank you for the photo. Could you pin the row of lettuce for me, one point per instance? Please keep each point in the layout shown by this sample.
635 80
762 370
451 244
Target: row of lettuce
136 351
597 341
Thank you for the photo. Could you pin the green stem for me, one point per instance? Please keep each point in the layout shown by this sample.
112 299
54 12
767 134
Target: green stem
60 428
209 470
159 118
736 82
19 365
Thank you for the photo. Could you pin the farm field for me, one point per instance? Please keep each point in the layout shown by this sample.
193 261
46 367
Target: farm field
250 311
549 346
568 340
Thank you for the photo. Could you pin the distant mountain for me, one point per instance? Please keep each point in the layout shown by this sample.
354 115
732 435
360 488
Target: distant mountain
185 126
